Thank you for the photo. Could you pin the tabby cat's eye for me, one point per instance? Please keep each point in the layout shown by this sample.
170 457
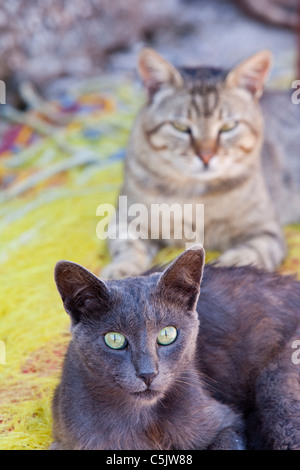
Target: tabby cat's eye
167 335
115 340
228 126
180 127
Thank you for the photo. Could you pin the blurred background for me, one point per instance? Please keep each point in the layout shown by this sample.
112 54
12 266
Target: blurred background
48 42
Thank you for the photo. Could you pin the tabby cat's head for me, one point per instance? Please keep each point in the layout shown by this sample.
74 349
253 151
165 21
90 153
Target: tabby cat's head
137 335
204 121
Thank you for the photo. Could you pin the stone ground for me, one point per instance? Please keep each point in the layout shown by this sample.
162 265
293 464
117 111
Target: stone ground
218 33
196 32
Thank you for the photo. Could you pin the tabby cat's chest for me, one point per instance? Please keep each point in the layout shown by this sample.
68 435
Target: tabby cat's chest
185 216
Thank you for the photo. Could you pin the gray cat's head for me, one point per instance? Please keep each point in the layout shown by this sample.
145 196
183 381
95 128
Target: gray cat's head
205 122
134 336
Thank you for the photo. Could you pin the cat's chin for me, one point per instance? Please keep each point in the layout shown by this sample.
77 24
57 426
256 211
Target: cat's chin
148 395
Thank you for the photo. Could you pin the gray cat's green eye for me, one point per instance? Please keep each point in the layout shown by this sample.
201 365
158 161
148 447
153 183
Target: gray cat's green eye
115 340
167 335
228 126
180 127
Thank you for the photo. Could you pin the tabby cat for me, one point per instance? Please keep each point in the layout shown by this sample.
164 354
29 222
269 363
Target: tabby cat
198 140
140 373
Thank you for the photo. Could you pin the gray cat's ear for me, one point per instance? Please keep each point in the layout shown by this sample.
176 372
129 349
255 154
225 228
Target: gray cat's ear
180 282
156 72
252 73
81 291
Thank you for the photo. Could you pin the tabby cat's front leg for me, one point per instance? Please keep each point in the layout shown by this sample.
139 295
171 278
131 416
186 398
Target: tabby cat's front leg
129 258
130 246
265 251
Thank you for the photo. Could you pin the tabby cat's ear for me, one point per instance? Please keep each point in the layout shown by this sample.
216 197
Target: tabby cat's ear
156 72
252 73
81 291
180 282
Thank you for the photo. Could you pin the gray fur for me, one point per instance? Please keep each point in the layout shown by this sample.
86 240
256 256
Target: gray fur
214 386
102 402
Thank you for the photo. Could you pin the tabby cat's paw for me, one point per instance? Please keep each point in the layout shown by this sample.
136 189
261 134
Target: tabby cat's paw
244 256
119 270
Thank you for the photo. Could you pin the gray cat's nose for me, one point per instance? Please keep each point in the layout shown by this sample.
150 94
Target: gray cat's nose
148 377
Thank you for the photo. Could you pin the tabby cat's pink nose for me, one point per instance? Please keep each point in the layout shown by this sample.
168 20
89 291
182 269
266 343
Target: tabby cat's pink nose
205 157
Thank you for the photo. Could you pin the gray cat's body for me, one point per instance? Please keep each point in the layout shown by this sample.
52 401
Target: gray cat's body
139 396
199 141
193 390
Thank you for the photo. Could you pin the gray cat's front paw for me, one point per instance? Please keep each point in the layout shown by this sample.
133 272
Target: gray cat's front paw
56 446
228 439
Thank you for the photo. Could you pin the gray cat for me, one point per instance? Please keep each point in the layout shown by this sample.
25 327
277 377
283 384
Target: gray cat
198 140
140 373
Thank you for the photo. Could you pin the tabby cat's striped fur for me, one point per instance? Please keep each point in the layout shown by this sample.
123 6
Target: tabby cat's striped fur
199 140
